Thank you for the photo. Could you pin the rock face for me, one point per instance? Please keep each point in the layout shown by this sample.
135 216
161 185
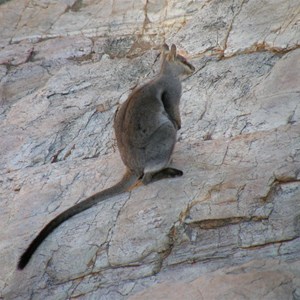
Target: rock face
229 228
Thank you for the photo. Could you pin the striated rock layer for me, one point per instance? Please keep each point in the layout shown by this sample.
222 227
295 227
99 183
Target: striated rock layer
229 228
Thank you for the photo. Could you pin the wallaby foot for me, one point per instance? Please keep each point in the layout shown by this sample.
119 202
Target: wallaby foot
164 173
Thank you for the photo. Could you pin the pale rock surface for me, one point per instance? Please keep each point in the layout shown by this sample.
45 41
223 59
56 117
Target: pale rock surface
229 228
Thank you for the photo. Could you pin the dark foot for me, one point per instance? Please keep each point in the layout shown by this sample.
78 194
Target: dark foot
165 173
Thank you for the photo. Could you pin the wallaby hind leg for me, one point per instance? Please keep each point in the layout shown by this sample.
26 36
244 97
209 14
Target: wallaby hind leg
166 173
158 153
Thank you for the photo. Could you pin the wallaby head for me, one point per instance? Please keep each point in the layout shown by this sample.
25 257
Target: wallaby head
176 63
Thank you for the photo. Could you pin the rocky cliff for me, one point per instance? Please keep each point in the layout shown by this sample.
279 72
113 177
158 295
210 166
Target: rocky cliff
229 228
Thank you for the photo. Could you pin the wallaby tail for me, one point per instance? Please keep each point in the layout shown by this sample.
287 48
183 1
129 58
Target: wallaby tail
122 186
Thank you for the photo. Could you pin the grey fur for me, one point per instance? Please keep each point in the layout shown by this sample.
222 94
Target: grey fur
145 127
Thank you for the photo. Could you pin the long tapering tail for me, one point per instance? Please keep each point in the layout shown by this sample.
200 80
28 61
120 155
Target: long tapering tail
122 186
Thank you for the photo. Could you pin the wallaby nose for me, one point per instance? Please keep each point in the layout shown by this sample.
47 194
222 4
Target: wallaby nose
191 67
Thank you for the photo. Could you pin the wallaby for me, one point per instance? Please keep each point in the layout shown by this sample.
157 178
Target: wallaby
145 128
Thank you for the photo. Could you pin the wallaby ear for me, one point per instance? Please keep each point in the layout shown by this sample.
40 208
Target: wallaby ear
172 54
165 48
173 50
164 51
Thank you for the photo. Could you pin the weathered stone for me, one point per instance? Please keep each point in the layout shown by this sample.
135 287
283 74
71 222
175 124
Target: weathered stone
213 24
258 280
14 55
232 221
279 33
63 47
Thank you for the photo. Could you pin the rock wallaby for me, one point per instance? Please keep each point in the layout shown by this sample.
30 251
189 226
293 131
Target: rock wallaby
145 127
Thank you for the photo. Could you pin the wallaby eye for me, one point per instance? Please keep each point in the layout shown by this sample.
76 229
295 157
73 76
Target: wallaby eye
182 58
